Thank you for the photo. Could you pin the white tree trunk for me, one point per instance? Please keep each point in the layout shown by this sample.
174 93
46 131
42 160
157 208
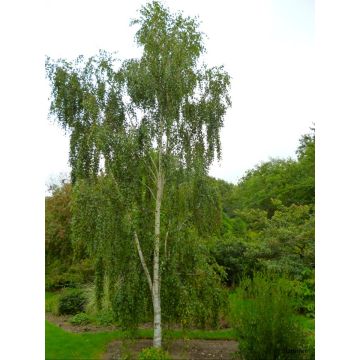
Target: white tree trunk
156 275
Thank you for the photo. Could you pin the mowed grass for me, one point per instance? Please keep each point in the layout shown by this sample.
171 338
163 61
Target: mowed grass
63 345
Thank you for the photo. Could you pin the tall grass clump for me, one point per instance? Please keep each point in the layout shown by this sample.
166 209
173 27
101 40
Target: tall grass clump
262 314
99 308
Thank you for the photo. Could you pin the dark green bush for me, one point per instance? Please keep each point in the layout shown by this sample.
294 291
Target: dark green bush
59 276
153 354
80 319
234 256
60 281
263 317
71 303
309 294
84 269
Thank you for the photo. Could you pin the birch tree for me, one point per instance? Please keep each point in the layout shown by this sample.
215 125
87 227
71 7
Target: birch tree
145 125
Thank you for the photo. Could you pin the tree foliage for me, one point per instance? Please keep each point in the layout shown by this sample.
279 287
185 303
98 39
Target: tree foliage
268 219
287 243
290 181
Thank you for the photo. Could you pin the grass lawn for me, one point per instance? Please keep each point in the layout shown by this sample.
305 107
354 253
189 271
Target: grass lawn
62 345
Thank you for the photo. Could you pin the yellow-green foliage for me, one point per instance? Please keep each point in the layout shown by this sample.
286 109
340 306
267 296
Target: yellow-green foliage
153 354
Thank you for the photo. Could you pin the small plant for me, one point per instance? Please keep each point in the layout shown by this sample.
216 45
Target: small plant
154 354
104 317
80 319
71 303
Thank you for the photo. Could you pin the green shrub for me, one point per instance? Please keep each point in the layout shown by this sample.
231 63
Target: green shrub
303 291
153 354
71 303
309 294
234 256
56 282
80 319
262 313
84 269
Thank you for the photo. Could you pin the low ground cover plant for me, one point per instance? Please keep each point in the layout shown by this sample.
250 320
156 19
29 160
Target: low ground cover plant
80 319
154 354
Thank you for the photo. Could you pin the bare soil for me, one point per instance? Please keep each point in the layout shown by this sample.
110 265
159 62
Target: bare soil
178 349
63 322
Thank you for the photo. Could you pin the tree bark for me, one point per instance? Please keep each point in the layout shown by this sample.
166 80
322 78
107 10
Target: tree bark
156 275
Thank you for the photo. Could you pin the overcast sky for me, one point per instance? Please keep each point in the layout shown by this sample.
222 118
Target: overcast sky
265 45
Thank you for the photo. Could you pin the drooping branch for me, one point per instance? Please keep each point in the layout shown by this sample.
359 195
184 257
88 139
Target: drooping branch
143 263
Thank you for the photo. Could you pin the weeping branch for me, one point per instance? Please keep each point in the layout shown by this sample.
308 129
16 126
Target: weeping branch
143 263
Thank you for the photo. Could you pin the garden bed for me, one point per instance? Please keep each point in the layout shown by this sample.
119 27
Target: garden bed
178 349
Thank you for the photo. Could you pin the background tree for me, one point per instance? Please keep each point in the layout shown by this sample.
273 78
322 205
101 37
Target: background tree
154 121
58 225
287 243
268 218
66 260
290 181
